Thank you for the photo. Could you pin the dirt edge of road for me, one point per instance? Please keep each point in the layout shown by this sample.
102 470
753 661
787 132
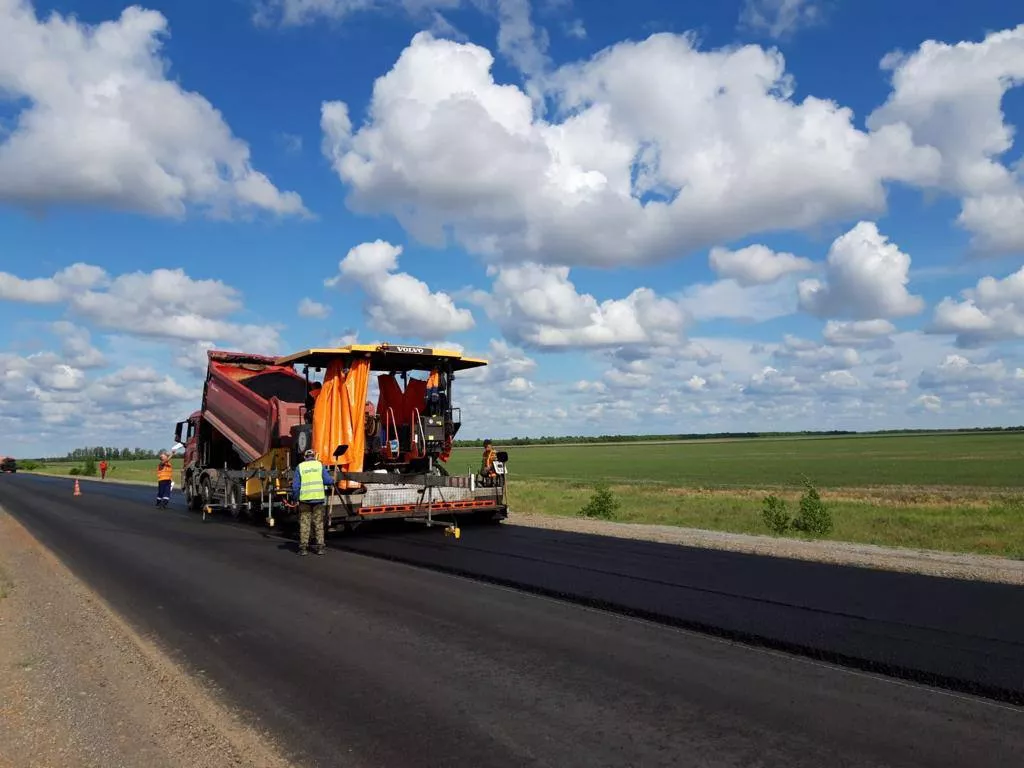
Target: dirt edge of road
79 687
926 562
954 565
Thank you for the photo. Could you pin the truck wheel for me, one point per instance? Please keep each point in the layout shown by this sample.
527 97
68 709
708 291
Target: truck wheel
235 500
205 491
192 498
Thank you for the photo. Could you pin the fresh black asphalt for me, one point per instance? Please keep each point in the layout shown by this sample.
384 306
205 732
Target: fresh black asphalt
961 634
356 660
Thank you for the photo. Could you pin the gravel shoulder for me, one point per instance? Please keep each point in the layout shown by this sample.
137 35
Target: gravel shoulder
78 687
927 562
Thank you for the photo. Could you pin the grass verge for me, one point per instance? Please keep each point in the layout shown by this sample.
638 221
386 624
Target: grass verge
988 522
129 471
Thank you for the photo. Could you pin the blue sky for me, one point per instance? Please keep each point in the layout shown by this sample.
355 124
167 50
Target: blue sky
651 216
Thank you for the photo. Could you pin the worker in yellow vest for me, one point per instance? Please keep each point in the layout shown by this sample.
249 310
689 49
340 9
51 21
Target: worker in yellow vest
309 489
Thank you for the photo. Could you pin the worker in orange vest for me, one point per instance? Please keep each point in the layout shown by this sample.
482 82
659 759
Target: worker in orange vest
103 469
164 475
487 468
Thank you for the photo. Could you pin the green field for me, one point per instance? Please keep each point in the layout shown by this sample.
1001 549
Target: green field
956 492
129 470
974 460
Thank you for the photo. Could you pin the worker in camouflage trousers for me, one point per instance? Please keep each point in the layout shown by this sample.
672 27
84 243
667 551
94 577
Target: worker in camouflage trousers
164 476
309 489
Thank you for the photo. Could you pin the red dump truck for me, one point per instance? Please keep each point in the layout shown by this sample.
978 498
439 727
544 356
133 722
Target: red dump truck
259 414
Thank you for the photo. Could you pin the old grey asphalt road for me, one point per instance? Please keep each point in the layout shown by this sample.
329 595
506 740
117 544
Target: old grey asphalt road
362 661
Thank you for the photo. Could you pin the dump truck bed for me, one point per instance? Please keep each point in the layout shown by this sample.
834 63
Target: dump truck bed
253 401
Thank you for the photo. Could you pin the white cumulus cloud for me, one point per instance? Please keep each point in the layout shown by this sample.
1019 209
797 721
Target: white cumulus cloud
310 308
539 306
99 122
47 290
950 96
980 384
772 381
164 304
43 392
866 278
991 311
639 169
77 346
756 264
397 302
807 353
859 333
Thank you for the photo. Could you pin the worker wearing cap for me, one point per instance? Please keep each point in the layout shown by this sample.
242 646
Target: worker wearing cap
309 489
164 476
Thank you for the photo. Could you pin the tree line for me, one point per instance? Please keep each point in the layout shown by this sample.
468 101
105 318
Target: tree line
100 452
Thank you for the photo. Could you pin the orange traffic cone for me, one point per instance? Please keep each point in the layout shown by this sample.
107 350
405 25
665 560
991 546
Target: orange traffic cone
78 491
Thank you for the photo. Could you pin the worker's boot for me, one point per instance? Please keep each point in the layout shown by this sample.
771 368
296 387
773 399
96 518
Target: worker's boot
303 551
321 549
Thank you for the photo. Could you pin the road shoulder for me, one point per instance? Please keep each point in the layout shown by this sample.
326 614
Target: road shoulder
78 687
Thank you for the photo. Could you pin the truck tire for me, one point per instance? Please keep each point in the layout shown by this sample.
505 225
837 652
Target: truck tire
205 490
234 501
193 498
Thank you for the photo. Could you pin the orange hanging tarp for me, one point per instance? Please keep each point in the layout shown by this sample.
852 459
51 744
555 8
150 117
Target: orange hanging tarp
339 418
327 414
353 416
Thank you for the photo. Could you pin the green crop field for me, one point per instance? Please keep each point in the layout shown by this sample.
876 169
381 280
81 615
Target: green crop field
954 492
957 492
994 460
127 471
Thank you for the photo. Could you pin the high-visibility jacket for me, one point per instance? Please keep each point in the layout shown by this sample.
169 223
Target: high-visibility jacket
164 471
311 477
489 456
